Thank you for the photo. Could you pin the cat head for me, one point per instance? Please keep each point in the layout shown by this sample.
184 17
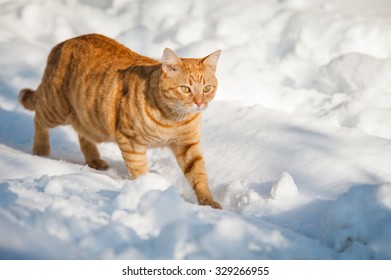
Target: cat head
187 85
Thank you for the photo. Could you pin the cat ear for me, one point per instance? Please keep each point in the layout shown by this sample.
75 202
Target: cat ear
211 60
170 62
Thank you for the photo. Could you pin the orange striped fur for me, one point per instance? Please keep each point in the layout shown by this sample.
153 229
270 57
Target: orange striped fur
109 93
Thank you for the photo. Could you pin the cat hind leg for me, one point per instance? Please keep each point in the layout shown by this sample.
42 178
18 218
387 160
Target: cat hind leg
41 146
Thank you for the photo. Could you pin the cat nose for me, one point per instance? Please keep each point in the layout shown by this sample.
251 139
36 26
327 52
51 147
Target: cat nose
198 103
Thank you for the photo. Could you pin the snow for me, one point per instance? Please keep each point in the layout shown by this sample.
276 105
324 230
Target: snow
297 143
284 188
344 229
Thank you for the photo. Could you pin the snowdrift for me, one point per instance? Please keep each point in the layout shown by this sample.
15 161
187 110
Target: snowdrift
297 143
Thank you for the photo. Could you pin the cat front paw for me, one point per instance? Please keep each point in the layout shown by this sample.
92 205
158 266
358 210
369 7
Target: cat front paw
211 202
98 164
216 205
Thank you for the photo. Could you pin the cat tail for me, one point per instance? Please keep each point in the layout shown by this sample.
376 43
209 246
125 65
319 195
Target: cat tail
28 98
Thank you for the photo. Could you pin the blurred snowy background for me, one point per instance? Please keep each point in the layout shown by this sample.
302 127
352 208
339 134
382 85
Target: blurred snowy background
297 142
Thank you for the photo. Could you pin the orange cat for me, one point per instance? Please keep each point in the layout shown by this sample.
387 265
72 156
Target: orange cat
109 93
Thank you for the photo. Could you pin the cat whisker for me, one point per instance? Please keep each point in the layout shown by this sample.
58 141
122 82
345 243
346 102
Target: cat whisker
179 112
183 114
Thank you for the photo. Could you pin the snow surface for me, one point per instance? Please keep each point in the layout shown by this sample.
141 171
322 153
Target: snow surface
297 143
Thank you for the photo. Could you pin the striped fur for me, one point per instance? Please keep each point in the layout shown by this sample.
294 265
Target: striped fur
109 93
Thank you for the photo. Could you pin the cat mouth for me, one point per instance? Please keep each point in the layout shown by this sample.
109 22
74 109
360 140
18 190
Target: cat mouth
182 112
195 108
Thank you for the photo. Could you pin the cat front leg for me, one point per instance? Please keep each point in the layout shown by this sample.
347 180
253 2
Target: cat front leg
134 155
192 163
91 154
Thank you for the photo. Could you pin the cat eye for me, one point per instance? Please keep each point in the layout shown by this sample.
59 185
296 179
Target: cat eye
185 89
206 89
